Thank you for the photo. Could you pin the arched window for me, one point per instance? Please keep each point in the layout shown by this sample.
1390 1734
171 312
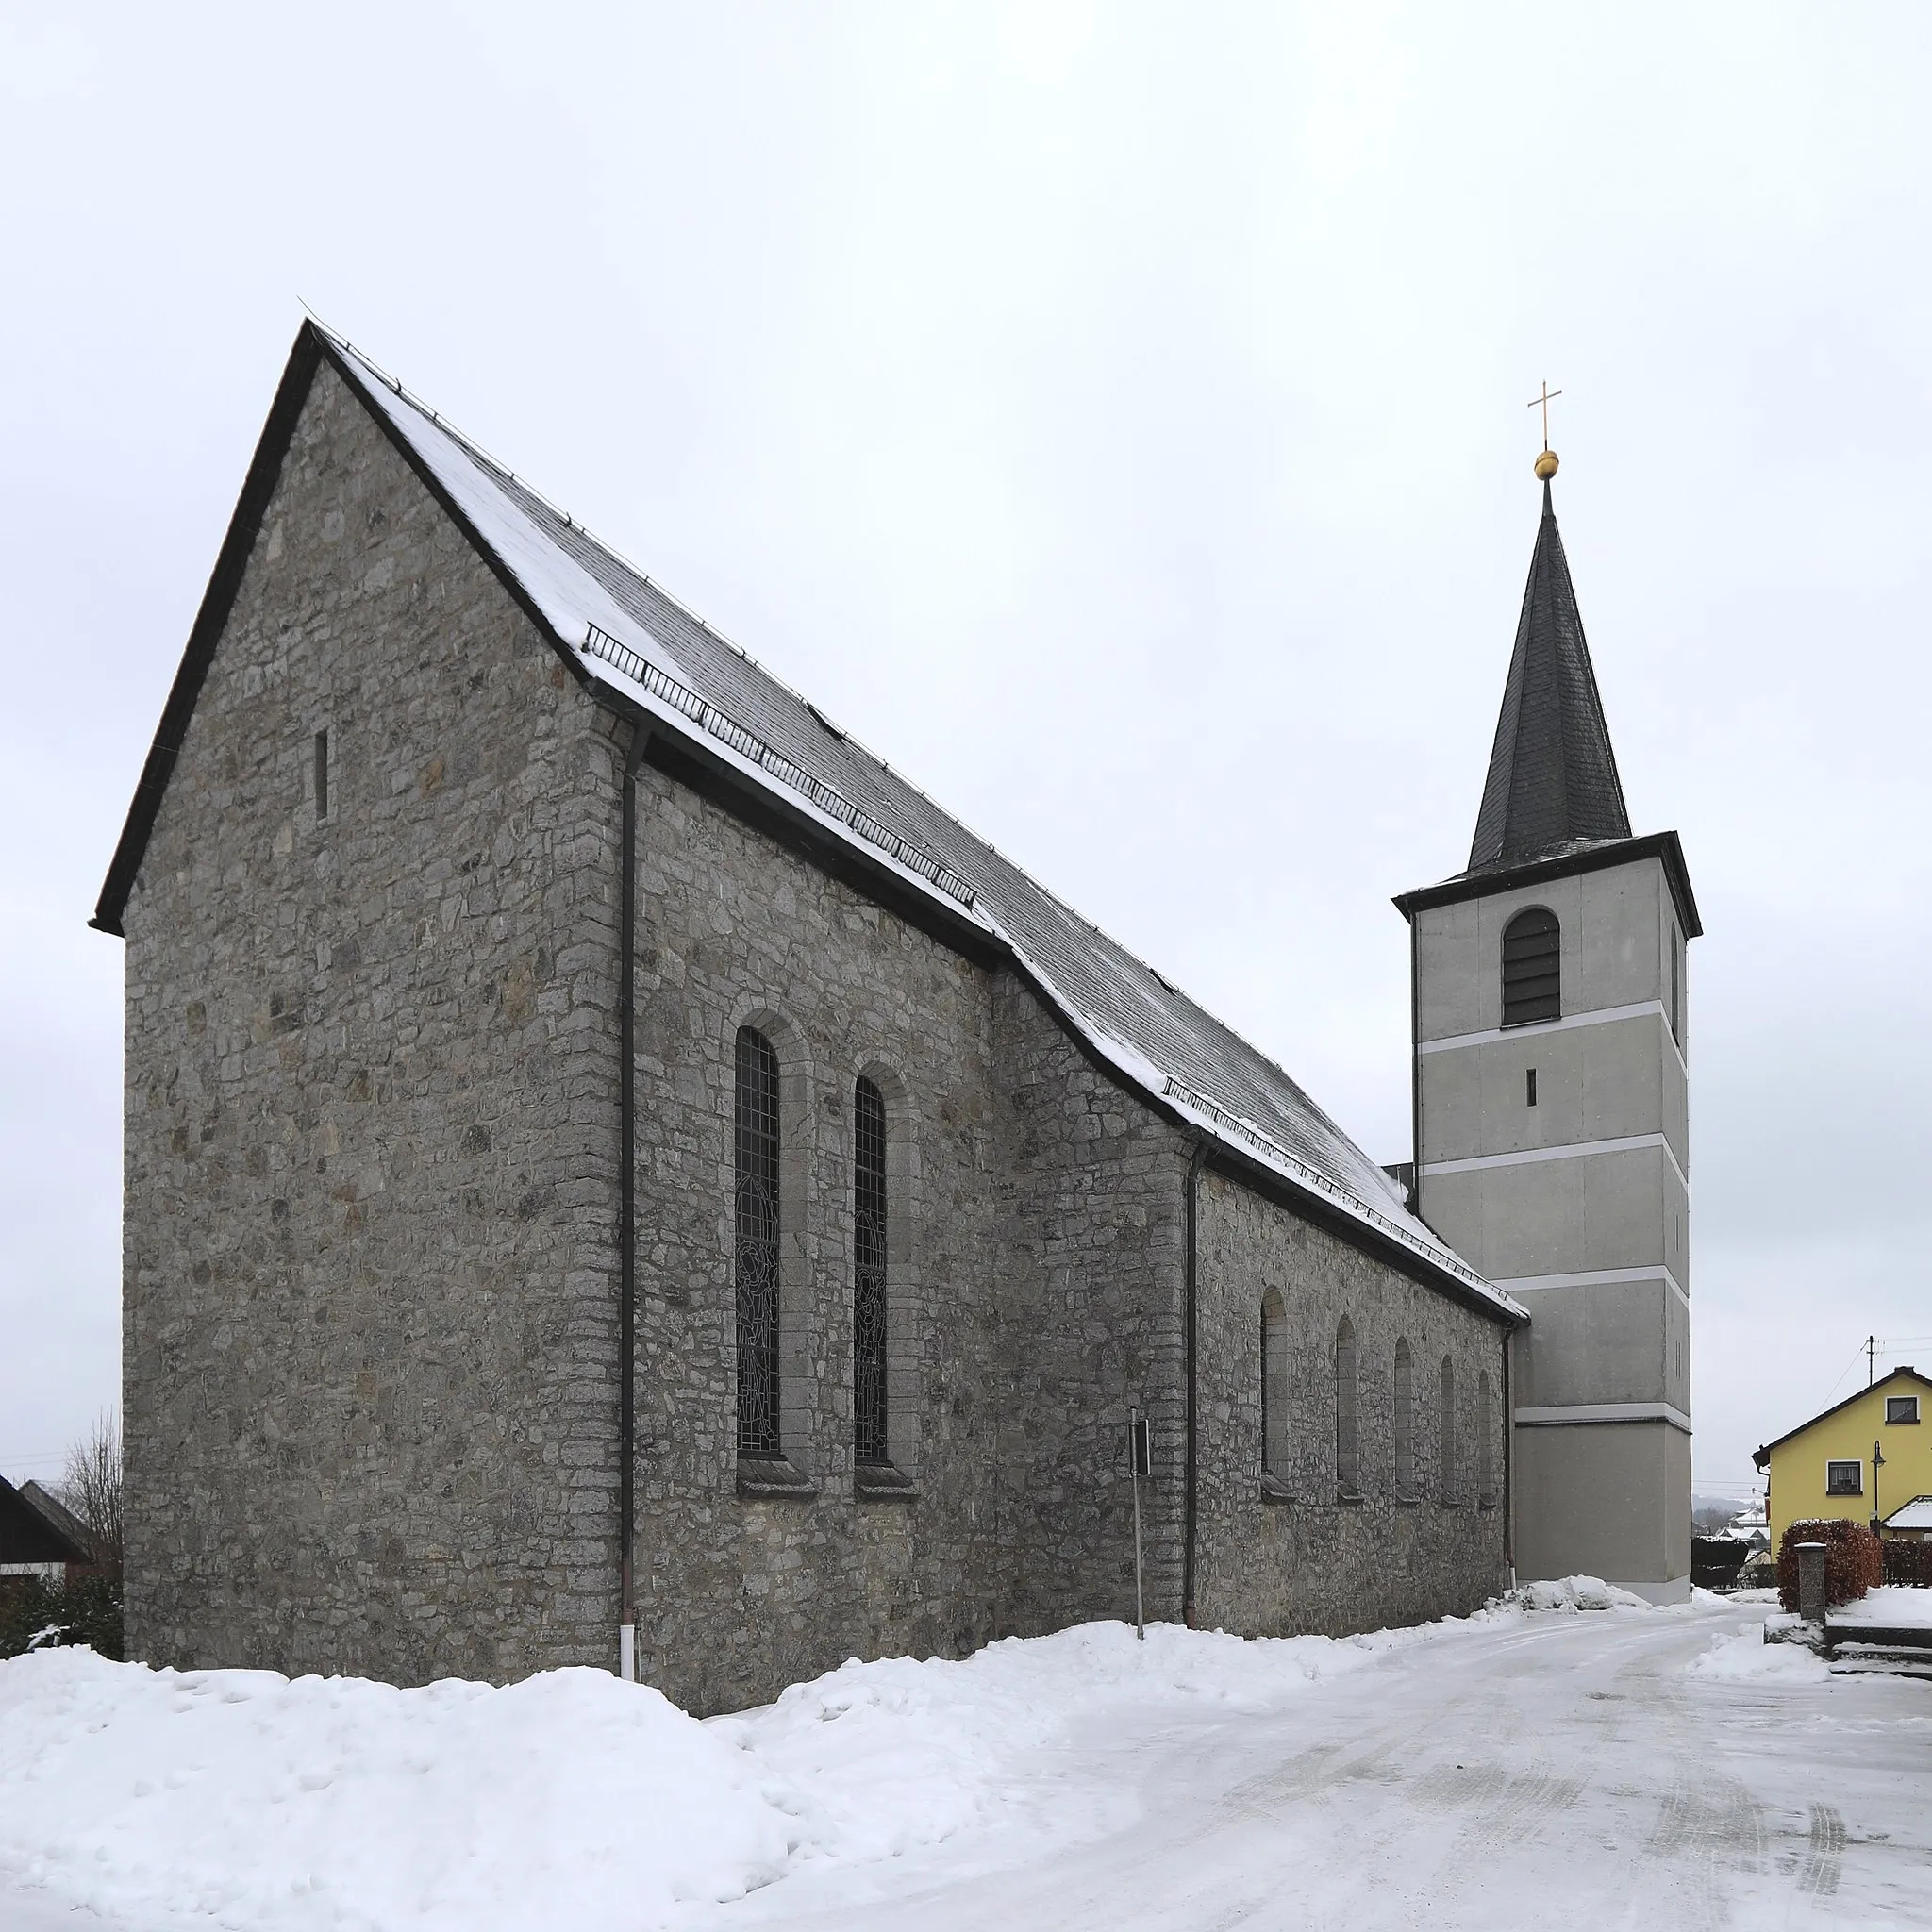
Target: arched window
1348 1469
868 1274
756 1116
1484 1444
1273 1386
1404 1422
1448 1431
1532 968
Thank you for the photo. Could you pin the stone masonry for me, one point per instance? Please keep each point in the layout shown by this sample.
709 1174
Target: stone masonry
371 1147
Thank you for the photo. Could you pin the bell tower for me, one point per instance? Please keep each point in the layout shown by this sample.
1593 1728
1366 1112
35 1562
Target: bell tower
1551 1081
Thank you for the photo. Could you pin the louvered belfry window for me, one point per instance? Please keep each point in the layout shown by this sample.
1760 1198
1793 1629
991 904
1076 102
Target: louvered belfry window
1532 968
757 1120
869 1275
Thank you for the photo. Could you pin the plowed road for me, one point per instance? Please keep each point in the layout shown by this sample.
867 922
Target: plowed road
1559 1772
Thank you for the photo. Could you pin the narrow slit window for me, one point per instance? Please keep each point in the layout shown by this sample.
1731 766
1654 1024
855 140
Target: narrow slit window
1404 1422
1448 1432
1484 1444
756 1259
1532 968
321 775
1676 985
1529 1087
1348 1471
869 1328
1273 1386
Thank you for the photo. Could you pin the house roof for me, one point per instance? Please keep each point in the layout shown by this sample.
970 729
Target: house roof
1917 1514
29 1534
1763 1456
644 653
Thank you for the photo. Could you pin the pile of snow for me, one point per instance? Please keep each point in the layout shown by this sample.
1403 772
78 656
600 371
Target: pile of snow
1899 1605
1569 1593
1747 1658
240 1798
243 1798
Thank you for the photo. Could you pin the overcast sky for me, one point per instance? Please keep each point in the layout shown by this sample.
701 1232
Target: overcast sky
1115 416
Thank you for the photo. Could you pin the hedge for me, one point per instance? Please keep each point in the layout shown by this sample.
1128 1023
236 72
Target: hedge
1908 1564
1854 1559
86 1612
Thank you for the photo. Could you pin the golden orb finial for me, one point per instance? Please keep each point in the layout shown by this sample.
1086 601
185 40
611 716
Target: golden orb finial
1546 465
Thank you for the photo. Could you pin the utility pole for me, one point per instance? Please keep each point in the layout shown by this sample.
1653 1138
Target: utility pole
1871 1342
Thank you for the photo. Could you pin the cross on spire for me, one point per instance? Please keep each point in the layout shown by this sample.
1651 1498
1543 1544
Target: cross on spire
1544 402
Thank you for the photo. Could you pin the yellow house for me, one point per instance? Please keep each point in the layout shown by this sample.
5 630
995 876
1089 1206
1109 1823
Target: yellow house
1824 1467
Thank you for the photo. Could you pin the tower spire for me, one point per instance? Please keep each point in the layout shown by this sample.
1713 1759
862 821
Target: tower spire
1552 783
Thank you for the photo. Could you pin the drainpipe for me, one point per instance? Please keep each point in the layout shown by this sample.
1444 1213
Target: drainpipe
1509 1454
628 1213
1192 1318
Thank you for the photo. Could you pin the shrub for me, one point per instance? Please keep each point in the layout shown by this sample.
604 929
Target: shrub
1908 1564
86 1612
1854 1560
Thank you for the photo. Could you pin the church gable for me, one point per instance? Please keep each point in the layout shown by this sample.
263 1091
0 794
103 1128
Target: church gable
718 720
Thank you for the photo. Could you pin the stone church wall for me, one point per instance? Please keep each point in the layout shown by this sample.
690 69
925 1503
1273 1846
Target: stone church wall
368 1320
741 1595
1311 1562
370 1246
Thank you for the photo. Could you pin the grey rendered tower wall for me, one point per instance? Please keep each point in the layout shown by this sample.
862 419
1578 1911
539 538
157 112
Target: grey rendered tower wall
1577 1204
1554 1153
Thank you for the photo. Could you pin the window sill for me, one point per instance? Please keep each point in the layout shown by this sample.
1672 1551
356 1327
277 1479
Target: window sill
1273 1490
882 1482
769 1476
1408 1501
1486 1503
1347 1499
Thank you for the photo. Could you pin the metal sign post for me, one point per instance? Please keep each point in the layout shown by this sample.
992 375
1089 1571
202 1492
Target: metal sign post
1140 1462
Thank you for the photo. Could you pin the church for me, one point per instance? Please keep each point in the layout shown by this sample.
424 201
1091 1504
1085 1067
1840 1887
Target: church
617 1176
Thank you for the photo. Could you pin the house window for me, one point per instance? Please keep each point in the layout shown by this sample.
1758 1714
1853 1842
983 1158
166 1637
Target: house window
756 1264
1448 1431
321 776
869 1274
1532 968
1529 1086
1348 1471
1405 1420
1845 1478
1900 1409
1273 1386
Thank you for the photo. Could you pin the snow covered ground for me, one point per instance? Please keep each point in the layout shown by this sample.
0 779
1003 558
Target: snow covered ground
1609 1767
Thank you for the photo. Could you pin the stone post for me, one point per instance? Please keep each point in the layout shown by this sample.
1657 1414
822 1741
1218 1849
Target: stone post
1812 1582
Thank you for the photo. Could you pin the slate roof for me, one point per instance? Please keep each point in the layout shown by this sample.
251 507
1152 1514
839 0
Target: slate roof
646 652
1551 786
30 1534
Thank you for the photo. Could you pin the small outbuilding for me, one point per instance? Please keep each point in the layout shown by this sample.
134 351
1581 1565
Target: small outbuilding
38 1535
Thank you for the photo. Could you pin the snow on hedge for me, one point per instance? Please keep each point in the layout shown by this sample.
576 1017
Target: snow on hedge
241 1798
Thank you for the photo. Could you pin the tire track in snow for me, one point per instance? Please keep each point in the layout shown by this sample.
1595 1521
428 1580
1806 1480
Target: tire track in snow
1819 1874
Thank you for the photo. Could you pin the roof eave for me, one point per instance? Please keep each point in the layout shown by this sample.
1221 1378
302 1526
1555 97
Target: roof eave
1666 847
1761 1456
217 601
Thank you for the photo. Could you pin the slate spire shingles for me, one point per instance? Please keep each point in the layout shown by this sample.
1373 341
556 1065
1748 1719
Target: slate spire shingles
1552 782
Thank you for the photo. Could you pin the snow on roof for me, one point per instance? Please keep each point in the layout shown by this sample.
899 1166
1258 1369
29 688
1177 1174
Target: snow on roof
1917 1514
638 643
